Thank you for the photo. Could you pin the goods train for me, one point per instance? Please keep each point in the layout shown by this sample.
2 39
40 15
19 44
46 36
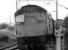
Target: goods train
32 20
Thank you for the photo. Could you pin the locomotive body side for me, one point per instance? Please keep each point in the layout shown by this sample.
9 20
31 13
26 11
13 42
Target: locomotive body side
33 22
50 24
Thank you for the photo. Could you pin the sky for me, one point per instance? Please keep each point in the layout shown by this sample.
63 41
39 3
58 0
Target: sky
8 8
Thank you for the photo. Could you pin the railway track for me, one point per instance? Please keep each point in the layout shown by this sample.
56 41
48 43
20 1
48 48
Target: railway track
10 47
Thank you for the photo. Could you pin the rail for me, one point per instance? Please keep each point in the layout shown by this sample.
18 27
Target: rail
9 47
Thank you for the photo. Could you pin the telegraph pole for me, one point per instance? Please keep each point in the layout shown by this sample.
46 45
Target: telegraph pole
17 4
56 9
58 33
27 1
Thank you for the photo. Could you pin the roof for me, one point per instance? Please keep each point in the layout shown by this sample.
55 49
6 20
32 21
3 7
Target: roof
30 8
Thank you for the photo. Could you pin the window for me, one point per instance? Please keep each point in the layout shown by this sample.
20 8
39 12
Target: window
41 18
20 19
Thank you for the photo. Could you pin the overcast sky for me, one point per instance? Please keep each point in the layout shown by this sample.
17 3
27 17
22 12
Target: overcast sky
8 8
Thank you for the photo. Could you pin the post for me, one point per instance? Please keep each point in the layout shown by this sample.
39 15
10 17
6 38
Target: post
17 4
58 43
56 9
58 34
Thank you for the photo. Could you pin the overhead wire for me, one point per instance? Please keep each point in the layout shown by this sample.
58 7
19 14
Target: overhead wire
60 5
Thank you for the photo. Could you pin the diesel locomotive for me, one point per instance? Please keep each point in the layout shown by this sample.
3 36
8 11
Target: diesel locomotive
32 20
33 24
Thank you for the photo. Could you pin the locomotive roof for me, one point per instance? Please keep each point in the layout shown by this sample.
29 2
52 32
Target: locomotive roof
29 8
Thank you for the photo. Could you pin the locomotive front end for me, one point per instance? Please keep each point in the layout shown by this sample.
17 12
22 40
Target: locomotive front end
33 25
32 20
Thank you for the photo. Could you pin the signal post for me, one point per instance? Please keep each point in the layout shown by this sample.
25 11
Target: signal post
58 34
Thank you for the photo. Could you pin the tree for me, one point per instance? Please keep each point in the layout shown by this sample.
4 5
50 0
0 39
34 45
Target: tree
65 23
